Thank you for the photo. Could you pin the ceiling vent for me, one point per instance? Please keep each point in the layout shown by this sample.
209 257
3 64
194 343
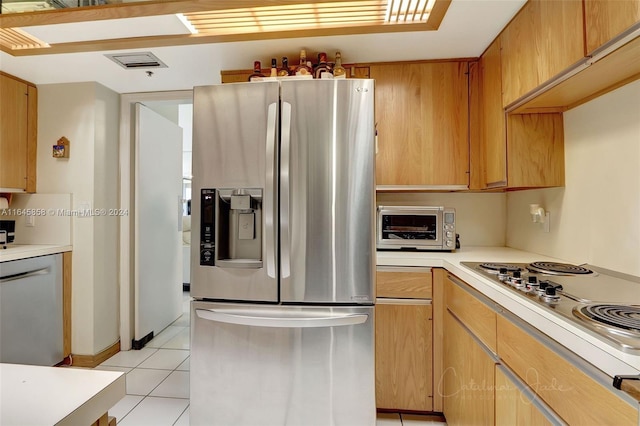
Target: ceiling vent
137 60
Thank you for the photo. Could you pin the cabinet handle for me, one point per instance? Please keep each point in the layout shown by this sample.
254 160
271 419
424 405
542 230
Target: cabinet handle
22 275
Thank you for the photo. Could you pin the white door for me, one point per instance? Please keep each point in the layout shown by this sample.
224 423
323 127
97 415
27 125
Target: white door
158 223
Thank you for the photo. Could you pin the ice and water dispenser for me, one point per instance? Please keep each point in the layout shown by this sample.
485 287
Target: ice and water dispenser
231 228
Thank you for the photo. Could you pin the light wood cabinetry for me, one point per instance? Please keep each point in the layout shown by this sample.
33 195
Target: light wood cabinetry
66 302
423 124
518 151
468 378
467 382
543 40
516 404
404 342
479 318
18 134
572 393
605 19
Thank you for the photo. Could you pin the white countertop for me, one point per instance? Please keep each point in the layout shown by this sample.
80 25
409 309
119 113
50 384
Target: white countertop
36 395
23 251
604 356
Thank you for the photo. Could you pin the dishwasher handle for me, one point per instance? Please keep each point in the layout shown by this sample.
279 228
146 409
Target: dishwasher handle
22 275
247 317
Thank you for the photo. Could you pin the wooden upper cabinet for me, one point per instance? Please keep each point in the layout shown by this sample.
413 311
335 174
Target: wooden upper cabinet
423 124
535 150
492 121
544 39
605 19
18 111
517 151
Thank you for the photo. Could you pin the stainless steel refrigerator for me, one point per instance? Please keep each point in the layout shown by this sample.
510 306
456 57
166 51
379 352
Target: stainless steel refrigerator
283 254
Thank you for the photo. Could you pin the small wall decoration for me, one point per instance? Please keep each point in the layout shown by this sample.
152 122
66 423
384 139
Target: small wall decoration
61 148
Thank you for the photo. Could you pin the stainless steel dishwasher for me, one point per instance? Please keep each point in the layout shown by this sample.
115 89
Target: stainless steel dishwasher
31 311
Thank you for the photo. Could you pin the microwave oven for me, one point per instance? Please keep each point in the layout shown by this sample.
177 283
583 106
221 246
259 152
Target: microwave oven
416 228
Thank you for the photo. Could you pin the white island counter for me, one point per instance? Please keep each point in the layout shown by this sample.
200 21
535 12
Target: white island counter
36 395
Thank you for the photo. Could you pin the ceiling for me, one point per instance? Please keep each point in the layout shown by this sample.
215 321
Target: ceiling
466 30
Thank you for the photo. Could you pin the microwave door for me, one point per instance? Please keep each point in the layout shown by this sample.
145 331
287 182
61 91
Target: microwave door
421 229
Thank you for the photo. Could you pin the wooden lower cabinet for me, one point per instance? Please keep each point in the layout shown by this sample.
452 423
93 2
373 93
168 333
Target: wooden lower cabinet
404 355
404 339
467 384
515 404
528 379
565 387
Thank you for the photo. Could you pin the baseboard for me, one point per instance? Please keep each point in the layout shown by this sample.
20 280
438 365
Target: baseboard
92 361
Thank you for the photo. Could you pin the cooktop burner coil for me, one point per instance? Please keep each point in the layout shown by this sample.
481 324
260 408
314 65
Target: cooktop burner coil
498 266
626 317
558 268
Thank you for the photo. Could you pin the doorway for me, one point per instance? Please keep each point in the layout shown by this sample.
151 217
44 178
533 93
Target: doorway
135 303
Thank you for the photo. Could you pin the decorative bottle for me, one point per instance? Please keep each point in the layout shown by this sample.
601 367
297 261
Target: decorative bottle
323 66
257 71
338 70
284 71
303 68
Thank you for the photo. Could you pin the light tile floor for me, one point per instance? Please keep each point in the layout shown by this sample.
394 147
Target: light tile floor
157 382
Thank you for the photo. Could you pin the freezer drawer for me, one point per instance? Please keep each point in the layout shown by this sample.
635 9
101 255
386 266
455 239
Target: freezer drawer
274 365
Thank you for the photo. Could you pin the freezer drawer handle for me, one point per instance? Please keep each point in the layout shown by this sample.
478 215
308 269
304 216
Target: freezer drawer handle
243 317
22 275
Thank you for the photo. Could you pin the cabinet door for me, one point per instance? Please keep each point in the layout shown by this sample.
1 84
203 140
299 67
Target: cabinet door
544 39
13 133
422 122
467 384
516 405
492 120
559 380
535 150
404 355
605 19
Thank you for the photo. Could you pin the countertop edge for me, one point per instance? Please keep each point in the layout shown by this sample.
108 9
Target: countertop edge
69 396
31 250
598 353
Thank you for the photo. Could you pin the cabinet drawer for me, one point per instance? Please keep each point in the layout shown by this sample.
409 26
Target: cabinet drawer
413 283
473 313
573 394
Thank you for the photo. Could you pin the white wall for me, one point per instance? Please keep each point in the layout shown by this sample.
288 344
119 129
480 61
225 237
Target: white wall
595 218
480 218
87 114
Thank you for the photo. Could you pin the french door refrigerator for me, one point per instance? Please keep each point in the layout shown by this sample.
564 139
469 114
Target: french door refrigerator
283 254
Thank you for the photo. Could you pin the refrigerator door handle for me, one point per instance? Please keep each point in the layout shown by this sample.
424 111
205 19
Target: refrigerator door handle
285 241
254 319
270 190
